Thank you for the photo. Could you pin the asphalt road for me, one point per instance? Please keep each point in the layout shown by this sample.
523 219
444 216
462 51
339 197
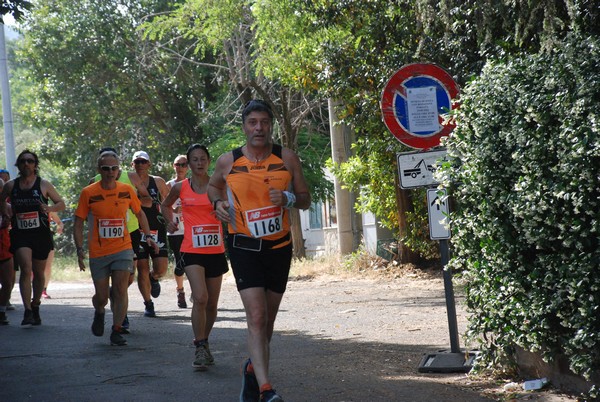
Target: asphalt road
340 340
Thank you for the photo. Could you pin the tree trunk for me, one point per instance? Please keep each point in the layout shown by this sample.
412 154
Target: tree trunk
343 198
289 137
297 238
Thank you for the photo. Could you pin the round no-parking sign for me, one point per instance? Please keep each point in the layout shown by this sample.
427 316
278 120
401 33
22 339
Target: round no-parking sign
413 102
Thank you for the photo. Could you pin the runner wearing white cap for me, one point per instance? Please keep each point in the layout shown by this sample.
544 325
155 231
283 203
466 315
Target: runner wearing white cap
158 190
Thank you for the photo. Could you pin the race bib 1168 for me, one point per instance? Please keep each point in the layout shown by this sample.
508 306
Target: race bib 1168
265 221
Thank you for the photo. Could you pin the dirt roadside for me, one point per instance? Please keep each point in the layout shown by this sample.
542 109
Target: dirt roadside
336 339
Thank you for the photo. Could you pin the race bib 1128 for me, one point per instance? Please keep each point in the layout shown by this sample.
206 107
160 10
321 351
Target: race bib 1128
206 236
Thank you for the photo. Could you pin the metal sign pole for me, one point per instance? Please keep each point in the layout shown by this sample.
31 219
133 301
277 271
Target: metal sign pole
449 291
453 360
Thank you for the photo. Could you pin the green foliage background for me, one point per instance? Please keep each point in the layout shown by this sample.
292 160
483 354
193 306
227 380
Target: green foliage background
525 175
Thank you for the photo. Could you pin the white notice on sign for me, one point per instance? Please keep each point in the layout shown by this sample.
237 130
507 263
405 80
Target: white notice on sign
422 110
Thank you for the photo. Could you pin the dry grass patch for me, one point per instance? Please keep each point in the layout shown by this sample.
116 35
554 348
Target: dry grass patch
359 264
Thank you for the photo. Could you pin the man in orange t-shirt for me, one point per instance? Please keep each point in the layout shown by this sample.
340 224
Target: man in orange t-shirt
105 204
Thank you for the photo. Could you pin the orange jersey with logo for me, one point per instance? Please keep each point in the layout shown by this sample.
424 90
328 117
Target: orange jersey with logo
106 212
248 185
203 232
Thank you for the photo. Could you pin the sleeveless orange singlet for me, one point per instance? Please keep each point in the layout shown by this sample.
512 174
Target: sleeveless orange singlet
248 185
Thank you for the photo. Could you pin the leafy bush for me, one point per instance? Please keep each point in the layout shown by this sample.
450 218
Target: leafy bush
525 175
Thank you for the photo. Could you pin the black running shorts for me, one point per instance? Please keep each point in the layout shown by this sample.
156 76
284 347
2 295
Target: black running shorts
214 265
268 268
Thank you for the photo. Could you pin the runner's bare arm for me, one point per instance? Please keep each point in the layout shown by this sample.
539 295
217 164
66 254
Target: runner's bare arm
53 216
5 208
142 191
167 206
51 193
218 184
163 189
78 240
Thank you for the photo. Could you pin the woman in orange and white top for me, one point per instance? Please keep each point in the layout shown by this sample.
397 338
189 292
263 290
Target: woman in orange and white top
202 250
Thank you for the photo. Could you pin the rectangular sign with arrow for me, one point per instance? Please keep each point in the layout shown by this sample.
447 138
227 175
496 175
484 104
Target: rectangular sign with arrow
437 205
416 168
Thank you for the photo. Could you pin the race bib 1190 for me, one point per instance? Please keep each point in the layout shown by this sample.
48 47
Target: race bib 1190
111 228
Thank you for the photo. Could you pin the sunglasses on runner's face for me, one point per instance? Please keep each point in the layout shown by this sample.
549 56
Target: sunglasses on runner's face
107 168
182 164
30 161
140 161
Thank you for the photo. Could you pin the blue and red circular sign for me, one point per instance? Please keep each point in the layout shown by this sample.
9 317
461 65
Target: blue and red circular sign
413 102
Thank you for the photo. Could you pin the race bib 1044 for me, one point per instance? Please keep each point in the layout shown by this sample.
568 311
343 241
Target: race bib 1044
111 228
28 220
265 221
206 236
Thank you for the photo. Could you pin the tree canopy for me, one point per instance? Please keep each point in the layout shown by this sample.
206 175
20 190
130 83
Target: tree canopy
15 8
97 82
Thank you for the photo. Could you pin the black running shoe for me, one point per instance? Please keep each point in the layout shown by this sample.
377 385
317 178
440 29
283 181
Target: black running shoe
27 319
98 324
154 287
270 396
37 320
116 339
3 319
149 311
250 389
201 361
181 303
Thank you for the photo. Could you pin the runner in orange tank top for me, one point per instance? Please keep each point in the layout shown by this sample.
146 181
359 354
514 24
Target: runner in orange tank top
202 249
252 189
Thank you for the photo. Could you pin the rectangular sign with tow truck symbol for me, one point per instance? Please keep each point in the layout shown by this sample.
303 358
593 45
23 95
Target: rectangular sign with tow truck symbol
416 168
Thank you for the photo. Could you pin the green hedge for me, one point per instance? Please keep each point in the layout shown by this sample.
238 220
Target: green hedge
525 176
